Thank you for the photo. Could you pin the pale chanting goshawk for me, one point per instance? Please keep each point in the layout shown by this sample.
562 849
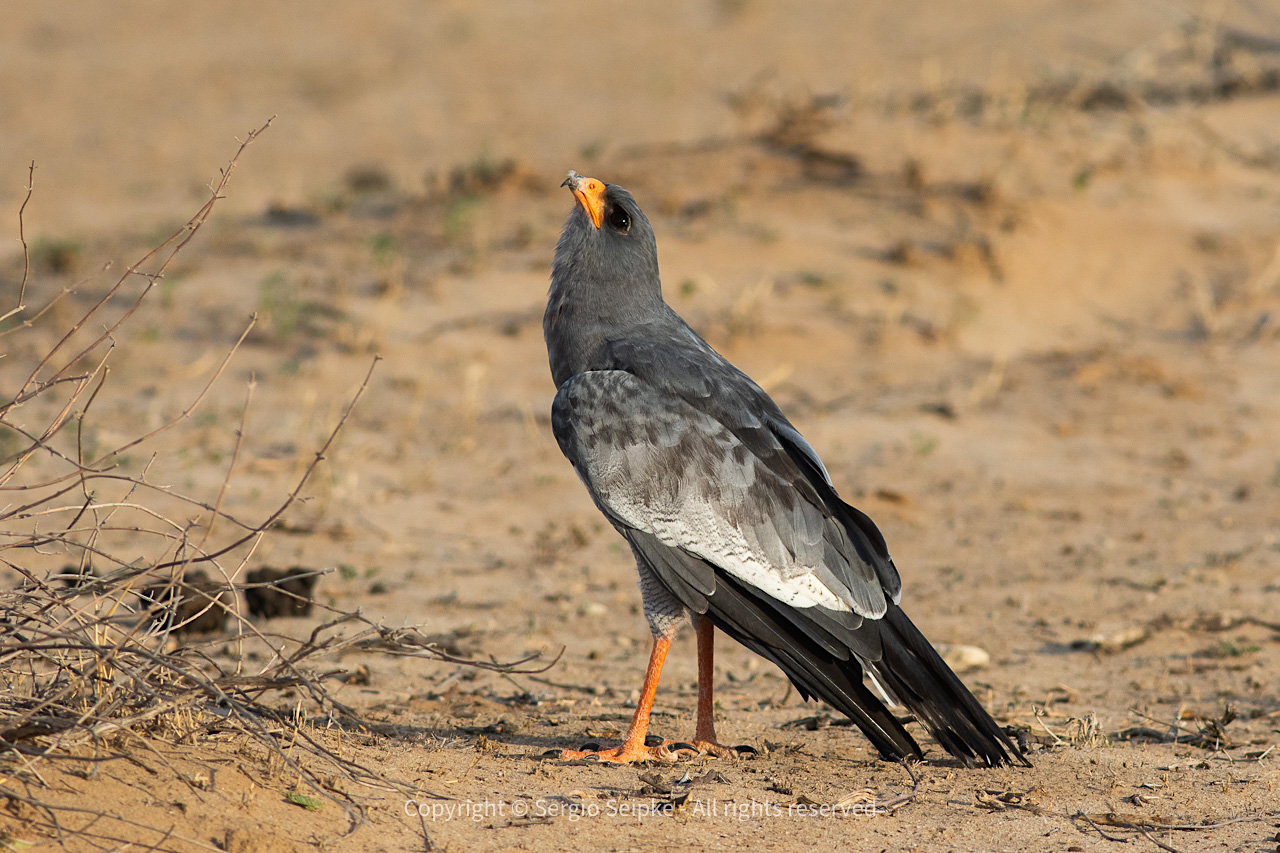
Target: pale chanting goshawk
731 515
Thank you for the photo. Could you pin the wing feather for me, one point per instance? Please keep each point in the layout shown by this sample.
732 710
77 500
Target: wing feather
654 463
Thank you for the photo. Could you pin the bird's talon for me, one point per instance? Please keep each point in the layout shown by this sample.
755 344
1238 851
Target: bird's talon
714 749
626 753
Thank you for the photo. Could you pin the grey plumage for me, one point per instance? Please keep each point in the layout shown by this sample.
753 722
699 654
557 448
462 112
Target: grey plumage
729 512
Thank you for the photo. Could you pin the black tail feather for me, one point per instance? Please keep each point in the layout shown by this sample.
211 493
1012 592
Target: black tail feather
914 674
812 669
839 684
910 670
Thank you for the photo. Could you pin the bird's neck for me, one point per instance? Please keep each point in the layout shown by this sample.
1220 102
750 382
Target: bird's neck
579 326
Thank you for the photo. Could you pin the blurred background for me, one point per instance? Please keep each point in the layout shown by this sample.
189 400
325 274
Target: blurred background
124 107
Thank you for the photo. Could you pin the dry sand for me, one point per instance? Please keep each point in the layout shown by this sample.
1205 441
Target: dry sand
1019 286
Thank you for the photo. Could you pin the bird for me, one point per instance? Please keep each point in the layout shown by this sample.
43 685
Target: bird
731 516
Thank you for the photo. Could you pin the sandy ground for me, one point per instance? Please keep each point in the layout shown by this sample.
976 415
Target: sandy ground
1018 284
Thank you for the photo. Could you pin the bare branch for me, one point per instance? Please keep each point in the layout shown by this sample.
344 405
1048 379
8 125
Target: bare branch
26 252
102 654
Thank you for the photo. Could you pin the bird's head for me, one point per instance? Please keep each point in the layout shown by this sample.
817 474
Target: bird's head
607 244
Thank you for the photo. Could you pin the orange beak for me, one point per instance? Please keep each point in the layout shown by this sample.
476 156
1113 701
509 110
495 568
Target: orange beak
590 194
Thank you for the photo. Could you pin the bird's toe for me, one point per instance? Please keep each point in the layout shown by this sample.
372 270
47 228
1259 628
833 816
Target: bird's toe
709 747
626 753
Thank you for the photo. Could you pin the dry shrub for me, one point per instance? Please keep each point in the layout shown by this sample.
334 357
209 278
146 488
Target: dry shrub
96 656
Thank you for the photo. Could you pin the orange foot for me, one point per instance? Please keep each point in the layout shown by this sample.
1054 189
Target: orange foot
628 752
664 751
710 747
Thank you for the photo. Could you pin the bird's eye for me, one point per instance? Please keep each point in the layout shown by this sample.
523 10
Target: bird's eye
619 220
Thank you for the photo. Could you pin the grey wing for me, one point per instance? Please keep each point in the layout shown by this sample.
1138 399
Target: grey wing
868 540
689 369
682 480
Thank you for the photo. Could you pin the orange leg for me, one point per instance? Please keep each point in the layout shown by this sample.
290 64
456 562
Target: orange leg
633 747
704 736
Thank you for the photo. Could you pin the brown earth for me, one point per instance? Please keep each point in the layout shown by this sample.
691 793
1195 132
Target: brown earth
1019 285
